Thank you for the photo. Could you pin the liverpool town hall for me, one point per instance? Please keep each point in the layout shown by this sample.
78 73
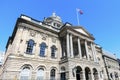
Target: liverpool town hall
53 50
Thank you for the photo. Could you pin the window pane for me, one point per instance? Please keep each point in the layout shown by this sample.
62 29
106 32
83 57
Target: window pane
24 78
42 49
30 46
39 78
25 73
63 76
52 74
53 50
52 78
40 74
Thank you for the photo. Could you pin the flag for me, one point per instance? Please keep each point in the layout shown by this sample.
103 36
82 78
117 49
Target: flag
80 11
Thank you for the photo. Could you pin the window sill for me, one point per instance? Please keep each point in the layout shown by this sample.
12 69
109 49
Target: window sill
29 53
41 56
53 57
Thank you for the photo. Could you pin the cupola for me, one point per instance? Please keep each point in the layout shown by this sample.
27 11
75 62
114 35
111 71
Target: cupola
54 21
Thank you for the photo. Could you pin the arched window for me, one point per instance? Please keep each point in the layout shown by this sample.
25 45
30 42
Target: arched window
25 73
40 74
30 45
53 51
88 74
95 74
42 49
63 69
52 74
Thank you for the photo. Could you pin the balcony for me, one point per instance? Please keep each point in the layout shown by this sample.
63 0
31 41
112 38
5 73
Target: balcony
79 61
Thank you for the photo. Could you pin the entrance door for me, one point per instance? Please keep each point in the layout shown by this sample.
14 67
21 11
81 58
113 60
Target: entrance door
63 76
77 76
78 73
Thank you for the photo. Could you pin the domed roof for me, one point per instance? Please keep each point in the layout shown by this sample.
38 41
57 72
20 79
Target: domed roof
55 17
54 21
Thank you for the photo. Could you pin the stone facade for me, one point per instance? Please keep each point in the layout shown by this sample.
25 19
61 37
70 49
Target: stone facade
112 66
52 50
1 58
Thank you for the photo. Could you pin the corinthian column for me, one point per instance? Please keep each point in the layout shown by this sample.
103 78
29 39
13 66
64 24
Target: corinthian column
67 45
79 48
71 46
86 47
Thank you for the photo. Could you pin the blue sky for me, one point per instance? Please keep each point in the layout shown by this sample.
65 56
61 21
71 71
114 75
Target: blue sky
100 17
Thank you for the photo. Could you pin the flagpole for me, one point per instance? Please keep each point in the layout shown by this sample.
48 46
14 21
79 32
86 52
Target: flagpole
77 17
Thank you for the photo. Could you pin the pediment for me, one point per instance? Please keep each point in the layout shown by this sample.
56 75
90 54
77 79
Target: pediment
82 31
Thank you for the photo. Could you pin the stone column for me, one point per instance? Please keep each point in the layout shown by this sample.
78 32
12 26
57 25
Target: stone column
67 45
89 75
92 76
71 46
98 75
92 51
95 53
113 74
86 47
33 75
79 48
83 75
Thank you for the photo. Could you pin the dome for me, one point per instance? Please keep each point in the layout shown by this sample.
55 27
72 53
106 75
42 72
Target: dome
54 21
55 17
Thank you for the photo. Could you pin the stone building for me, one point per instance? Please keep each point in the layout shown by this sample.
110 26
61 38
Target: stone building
111 65
1 58
118 62
52 50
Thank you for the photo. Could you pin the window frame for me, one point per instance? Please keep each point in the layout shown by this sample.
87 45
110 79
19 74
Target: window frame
43 46
53 51
38 77
53 74
27 73
30 46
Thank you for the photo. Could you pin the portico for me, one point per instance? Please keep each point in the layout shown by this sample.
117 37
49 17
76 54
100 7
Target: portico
78 47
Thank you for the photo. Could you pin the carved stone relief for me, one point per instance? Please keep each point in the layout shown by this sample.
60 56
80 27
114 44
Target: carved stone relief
44 36
32 33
